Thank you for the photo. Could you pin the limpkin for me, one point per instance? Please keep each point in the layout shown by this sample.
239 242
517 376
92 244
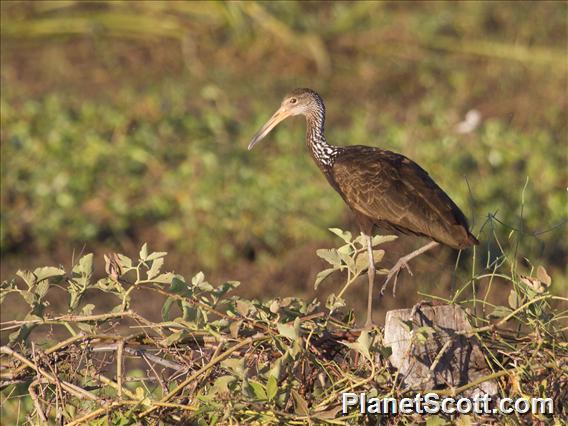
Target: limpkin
382 188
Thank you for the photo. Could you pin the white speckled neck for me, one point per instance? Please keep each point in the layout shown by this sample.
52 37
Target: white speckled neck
323 153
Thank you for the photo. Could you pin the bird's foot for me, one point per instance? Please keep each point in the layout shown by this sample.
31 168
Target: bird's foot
393 273
416 308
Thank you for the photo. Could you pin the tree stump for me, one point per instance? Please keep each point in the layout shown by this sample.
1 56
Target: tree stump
430 354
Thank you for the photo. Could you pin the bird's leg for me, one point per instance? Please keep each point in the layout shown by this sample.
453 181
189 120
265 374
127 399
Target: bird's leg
371 273
403 263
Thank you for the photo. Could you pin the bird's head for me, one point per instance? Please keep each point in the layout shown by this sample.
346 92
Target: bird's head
297 102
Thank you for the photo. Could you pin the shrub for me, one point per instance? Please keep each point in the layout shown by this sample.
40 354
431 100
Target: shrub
218 358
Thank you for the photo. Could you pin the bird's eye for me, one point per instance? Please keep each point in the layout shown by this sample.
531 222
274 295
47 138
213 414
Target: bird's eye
293 100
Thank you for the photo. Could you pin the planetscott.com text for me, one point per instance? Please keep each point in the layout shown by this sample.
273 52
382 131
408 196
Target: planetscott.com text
432 403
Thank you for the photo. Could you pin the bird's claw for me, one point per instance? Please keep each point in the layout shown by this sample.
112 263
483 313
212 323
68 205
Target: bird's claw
395 270
417 307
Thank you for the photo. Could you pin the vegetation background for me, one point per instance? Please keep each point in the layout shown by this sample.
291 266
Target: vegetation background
126 122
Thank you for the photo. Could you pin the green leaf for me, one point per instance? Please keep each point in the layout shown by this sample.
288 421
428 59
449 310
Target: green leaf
107 285
28 277
205 287
381 239
500 312
361 240
348 260
155 269
361 345
156 255
514 300
361 262
224 288
423 333
378 255
80 281
166 308
48 272
465 421
322 275
300 403
7 287
290 331
174 337
85 327
222 383
236 366
178 286
543 276
271 388
344 235
29 296
328 414
258 390
435 421
345 249
333 302
277 365
85 266
243 306
165 278
117 308
140 393
42 288
88 309
234 328
74 298
198 278
144 252
331 256
124 262
385 351
22 333
219 324
192 314
26 329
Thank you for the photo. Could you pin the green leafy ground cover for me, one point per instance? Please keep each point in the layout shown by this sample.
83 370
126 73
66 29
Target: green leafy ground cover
106 170
215 358
114 143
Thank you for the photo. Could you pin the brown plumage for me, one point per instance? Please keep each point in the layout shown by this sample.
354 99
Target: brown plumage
396 194
382 188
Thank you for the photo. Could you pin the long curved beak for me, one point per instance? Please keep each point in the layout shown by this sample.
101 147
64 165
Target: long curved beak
278 116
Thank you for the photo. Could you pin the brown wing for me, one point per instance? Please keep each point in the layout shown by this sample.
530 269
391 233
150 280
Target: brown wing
392 190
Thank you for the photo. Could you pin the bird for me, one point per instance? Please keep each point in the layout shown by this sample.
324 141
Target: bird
383 189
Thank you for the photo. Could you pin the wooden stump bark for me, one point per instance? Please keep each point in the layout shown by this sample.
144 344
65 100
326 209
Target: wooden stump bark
430 354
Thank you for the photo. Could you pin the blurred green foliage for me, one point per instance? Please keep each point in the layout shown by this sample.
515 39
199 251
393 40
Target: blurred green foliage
146 164
125 122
